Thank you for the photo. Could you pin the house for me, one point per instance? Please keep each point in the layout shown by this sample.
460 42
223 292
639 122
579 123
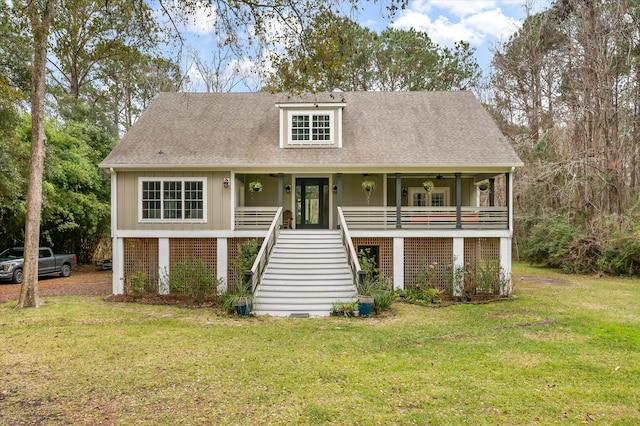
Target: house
421 179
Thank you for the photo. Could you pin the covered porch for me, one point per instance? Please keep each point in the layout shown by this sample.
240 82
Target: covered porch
393 201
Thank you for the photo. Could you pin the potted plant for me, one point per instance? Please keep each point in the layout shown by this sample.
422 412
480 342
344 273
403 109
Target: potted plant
427 185
368 186
242 304
367 289
255 186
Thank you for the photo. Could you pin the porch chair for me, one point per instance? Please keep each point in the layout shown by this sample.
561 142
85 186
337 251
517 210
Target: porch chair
286 219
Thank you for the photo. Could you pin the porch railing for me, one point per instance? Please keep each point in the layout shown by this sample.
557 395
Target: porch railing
254 275
369 217
426 217
254 217
356 272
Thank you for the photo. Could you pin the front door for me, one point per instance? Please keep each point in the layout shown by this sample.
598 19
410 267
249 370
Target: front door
312 203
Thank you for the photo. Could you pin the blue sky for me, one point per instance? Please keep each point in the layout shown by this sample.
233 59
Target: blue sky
482 23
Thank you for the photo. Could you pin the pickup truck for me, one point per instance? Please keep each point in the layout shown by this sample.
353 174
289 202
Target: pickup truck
12 261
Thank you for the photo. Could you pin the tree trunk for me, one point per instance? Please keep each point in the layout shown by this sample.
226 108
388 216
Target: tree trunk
40 23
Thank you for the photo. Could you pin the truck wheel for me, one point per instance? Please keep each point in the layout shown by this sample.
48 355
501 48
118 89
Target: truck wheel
65 271
17 276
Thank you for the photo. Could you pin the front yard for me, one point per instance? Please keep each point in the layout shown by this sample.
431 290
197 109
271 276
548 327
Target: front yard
565 350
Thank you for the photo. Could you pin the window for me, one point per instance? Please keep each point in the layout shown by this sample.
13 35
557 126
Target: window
438 197
172 199
311 128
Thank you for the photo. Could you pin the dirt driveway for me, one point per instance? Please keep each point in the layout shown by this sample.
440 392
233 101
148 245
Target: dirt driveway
85 280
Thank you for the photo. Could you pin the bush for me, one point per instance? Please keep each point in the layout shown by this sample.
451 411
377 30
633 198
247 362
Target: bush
136 284
244 262
549 242
622 257
192 278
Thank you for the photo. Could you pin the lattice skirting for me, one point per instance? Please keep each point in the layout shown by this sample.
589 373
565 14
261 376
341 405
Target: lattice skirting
187 249
428 262
141 259
385 253
482 266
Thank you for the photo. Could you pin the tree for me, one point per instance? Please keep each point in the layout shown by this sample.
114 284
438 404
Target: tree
335 52
566 92
40 15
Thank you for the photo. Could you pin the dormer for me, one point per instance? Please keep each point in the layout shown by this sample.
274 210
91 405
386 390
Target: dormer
311 124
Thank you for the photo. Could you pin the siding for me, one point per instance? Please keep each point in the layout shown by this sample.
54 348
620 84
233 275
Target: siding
218 201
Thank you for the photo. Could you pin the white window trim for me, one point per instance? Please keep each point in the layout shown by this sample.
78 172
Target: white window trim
311 113
175 179
436 190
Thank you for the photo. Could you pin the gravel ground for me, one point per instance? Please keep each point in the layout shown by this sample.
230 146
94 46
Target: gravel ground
85 280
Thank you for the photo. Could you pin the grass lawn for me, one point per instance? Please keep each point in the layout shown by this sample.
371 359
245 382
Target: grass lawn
565 350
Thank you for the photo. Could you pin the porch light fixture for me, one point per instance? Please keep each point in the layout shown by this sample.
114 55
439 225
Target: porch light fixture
226 182
288 189
405 191
335 188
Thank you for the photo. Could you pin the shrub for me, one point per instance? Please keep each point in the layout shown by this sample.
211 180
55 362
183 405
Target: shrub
247 255
622 257
192 278
136 284
549 242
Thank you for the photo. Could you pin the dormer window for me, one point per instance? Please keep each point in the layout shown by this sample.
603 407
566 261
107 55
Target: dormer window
311 125
311 128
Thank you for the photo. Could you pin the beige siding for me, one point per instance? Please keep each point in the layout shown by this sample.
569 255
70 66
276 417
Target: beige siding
218 201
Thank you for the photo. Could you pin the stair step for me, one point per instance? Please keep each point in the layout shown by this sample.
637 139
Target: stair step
306 275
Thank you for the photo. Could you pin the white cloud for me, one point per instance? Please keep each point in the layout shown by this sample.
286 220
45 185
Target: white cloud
449 21
203 21
200 22
463 7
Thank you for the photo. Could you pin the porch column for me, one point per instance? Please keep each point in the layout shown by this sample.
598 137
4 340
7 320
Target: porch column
117 281
492 187
117 245
458 200
222 256
339 183
163 265
280 190
398 263
398 200
508 196
505 265
458 266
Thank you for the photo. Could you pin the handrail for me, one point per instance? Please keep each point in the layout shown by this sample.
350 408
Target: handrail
254 275
356 271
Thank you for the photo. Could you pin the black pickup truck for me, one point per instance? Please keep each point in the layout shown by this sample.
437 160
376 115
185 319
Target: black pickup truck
12 261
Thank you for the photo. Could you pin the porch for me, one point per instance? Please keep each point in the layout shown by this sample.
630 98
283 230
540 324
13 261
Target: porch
383 201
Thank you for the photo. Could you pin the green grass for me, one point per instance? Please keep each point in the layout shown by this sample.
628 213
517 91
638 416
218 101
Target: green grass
565 350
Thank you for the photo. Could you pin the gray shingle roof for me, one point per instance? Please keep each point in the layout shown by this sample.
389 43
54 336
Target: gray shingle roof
380 129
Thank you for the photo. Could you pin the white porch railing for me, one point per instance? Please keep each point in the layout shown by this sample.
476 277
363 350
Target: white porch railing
426 217
254 217
356 271
369 217
254 275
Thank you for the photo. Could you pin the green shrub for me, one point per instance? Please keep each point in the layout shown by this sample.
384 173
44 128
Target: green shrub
549 242
192 278
136 284
622 257
247 255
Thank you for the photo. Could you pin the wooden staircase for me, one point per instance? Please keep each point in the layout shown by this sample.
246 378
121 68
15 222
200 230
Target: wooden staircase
307 273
